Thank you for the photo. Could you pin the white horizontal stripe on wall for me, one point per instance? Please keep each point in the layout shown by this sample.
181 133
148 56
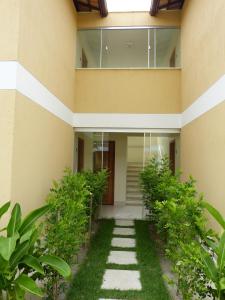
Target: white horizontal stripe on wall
8 75
132 121
210 99
13 76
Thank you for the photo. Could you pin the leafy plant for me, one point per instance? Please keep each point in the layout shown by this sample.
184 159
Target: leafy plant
96 183
20 263
66 224
213 256
178 213
156 173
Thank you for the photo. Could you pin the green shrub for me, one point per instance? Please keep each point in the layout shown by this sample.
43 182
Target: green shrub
178 213
20 262
96 183
155 173
66 223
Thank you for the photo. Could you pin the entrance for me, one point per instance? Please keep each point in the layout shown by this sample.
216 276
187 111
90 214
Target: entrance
104 158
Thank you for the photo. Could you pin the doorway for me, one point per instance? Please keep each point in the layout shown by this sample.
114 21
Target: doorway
104 158
172 155
80 158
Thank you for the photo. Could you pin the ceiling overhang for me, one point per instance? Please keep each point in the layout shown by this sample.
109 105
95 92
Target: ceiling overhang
158 5
92 5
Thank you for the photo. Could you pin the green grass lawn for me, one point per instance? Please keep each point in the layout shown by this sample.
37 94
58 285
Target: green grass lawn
87 282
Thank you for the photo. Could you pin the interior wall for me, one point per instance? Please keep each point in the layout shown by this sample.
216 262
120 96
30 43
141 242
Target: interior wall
128 91
120 167
88 150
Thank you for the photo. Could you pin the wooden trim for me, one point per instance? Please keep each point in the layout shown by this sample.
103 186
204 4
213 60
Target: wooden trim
155 7
103 8
80 156
111 166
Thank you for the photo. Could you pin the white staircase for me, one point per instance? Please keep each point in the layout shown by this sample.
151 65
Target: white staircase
133 196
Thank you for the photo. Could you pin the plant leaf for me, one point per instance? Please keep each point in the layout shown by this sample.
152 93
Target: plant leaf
32 218
4 209
34 263
20 251
222 283
26 236
15 220
56 263
210 266
19 293
27 284
221 253
215 213
7 246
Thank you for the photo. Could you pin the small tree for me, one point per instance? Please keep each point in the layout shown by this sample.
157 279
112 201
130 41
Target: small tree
66 223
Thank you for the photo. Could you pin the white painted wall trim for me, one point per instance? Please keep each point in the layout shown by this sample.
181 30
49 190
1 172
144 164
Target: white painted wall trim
210 99
13 76
125 121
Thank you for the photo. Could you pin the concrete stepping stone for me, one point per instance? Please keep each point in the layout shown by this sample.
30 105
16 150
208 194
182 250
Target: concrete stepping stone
122 280
123 231
123 242
124 223
111 299
122 258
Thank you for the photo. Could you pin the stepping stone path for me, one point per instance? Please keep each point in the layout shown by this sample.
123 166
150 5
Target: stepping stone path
119 279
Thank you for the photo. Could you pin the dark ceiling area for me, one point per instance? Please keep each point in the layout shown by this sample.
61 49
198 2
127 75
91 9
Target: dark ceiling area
92 5
101 6
158 5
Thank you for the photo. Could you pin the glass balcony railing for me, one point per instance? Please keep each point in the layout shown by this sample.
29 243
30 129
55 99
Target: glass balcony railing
128 48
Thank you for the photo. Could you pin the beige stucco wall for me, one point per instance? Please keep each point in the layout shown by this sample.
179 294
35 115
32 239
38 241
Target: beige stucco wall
7 112
91 20
203 47
202 141
202 155
9 29
42 148
47 45
128 91
37 146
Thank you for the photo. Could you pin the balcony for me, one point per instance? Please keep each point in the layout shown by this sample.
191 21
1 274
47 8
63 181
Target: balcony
125 47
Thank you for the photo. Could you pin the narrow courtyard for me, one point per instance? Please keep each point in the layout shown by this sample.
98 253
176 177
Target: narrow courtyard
121 264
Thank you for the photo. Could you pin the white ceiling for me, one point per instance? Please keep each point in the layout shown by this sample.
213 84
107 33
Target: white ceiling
128 5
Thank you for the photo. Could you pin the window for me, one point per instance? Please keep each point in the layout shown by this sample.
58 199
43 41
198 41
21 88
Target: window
128 48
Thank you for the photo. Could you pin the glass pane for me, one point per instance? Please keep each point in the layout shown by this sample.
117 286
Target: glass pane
125 48
151 48
167 48
88 49
135 150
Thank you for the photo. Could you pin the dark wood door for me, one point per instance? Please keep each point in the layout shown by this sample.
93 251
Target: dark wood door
172 156
80 158
106 159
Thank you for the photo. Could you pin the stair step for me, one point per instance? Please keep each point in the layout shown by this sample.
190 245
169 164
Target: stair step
135 203
134 195
132 190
